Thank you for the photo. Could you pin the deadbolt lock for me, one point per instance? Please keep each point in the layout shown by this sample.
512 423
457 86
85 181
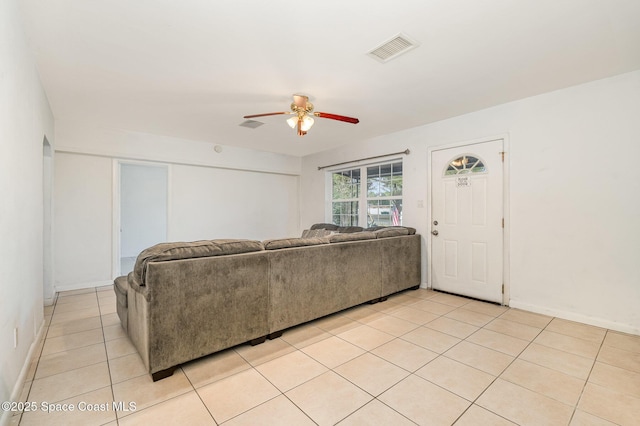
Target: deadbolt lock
435 222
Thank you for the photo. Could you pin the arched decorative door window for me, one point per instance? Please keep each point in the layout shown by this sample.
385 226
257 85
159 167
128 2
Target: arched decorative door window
465 164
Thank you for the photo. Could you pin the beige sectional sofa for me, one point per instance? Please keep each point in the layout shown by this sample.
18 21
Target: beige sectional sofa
187 300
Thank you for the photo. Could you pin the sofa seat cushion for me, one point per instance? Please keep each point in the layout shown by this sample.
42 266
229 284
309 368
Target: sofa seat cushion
191 250
293 242
354 236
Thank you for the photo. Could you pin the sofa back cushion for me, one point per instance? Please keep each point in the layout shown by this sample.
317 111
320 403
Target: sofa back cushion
316 233
350 229
190 250
354 236
327 226
231 246
336 228
293 242
391 232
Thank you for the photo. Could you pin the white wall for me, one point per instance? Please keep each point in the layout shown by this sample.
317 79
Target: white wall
210 203
574 195
237 193
83 219
109 142
25 119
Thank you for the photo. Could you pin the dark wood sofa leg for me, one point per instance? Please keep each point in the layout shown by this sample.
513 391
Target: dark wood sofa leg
162 374
414 287
275 335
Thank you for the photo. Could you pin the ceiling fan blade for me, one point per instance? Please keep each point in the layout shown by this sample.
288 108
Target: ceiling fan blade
337 117
265 114
300 101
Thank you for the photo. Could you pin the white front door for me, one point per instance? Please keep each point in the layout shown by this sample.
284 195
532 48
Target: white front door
467 220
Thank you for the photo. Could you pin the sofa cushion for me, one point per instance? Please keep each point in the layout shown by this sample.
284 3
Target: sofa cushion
327 226
293 242
354 236
350 229
391 231
341 229
316 233
190 250
231 246
410 230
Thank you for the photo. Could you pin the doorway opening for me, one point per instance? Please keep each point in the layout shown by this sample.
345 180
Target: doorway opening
143 210
47 222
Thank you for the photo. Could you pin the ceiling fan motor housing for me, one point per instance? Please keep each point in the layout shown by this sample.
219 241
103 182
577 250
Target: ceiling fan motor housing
308 108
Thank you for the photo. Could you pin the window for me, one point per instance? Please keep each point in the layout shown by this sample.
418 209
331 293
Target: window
378 187
465 164
346 193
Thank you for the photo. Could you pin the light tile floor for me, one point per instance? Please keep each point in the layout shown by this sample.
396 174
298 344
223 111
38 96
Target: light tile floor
420 357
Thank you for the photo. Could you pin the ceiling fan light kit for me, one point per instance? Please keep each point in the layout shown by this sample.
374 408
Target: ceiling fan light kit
302 111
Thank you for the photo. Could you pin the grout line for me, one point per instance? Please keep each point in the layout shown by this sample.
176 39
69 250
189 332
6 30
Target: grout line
198 394
575 408
37 357
502 372
106 354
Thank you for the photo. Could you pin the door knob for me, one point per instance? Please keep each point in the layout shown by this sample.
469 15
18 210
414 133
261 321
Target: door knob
434 232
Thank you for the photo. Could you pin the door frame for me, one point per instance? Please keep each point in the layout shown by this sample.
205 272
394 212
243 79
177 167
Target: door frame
506 234
117 211
48 290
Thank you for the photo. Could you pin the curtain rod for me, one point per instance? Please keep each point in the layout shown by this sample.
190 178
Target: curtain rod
406 152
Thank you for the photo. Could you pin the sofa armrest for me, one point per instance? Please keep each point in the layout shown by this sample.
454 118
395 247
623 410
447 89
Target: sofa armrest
134 284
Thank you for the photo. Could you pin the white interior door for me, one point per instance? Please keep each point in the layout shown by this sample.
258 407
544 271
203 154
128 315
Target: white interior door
467 220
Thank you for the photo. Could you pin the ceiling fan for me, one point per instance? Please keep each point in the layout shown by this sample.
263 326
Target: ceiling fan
303 113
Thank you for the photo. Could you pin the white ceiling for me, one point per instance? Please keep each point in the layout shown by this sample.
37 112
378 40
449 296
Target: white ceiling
193 68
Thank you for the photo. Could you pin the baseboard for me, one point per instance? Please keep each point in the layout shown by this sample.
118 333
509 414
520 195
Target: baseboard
82 286
5 419
572 316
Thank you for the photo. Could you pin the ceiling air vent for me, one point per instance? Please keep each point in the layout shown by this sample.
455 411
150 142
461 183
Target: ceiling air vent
252 124
393 48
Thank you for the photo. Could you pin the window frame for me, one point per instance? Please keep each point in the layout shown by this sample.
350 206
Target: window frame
363 199
478 167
